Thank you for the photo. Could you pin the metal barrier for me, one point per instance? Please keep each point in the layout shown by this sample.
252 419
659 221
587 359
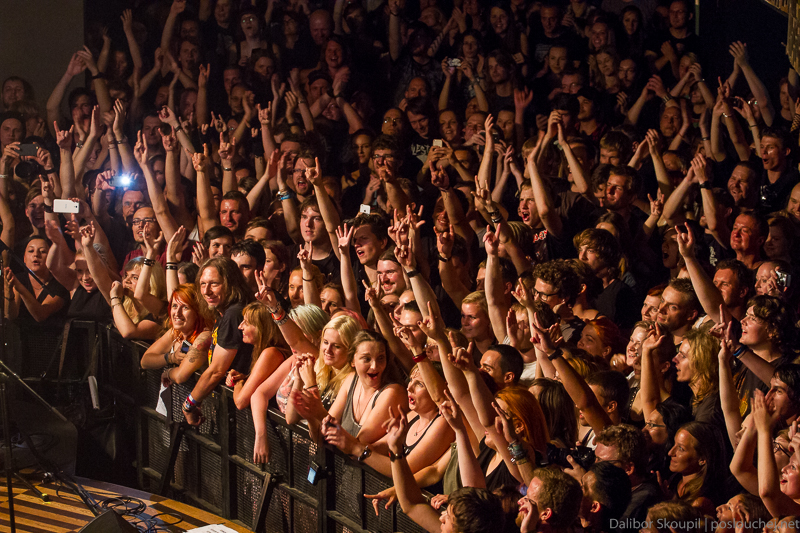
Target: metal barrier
211 466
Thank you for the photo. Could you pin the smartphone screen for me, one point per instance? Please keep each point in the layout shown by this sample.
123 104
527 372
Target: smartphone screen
185 346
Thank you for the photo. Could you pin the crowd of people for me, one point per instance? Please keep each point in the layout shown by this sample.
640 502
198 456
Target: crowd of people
521 255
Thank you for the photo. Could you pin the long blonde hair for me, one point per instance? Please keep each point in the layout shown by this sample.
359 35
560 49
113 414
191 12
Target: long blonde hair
158 288
267 333
329 379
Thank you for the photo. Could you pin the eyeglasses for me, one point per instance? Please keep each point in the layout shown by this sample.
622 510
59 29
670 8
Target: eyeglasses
140 221
538 295
391 121
251 18
382 157
777 447
653 425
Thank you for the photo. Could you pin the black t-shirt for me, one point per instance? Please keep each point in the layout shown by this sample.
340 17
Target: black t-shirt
774 195
328 266
89 306
226 334
619 303
54 288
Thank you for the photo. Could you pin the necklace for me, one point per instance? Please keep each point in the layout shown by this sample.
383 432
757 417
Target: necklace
417 429
357 403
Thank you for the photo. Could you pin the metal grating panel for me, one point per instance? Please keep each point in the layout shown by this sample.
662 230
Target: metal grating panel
158 444
382 522
348 490
246 492
305 518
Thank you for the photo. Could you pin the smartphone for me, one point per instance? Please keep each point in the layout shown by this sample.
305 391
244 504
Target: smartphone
28 150
314 474
186 346
123 180
66 206
783 279
438 143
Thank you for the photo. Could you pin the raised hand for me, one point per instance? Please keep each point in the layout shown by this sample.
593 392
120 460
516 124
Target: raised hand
265 115
76 65
199 254
685 241
545 339
227 150
314 174
304 256
372 293
451 413
432 325
87 235
63 137
218 122
344 236
396 430
738 50
140 150
200 160
152 240
463 359
491 242
176 245
657 205
445 241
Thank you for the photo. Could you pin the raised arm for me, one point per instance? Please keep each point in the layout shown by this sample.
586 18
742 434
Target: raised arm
175 247
739 52
408 493
742 464
650 391
498 309
729 400
205 199
575 168
58 267
708 294
141 292
769 478
576 386
395 39
344 237
163 215
544 203
75 67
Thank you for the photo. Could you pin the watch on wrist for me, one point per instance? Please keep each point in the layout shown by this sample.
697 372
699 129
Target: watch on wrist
364 454
395 456
706 185
556 354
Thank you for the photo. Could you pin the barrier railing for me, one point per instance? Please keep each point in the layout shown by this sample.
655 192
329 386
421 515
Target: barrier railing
211 466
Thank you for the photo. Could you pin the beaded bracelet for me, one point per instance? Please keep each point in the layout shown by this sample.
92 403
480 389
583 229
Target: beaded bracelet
149 262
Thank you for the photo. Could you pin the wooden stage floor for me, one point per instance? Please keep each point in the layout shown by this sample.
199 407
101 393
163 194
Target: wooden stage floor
67 513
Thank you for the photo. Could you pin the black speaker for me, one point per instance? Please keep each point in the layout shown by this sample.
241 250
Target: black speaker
109 522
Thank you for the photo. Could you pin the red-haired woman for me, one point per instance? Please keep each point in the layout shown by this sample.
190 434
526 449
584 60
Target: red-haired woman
186 341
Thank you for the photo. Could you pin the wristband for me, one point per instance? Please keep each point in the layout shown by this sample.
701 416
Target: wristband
312 387
227 169
412 273
171 267
726 116
753 126
98 76
556 354
149 262
284 196
667 98
3 176
177 128
706 185
124 140
116 298
738 353
395 456
47 208
418 358
284 319
51 171
79 144
443 259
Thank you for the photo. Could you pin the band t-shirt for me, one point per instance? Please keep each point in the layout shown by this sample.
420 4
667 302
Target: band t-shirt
226 334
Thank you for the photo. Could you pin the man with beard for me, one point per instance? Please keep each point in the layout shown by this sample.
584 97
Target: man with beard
224 294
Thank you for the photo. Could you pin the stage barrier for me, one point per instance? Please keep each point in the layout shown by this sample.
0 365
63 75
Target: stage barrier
211 467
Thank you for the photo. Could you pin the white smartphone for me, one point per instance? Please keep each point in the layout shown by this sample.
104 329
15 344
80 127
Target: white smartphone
66 206
438 143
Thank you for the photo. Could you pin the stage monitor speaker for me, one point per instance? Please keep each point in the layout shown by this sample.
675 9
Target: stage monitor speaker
109 522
